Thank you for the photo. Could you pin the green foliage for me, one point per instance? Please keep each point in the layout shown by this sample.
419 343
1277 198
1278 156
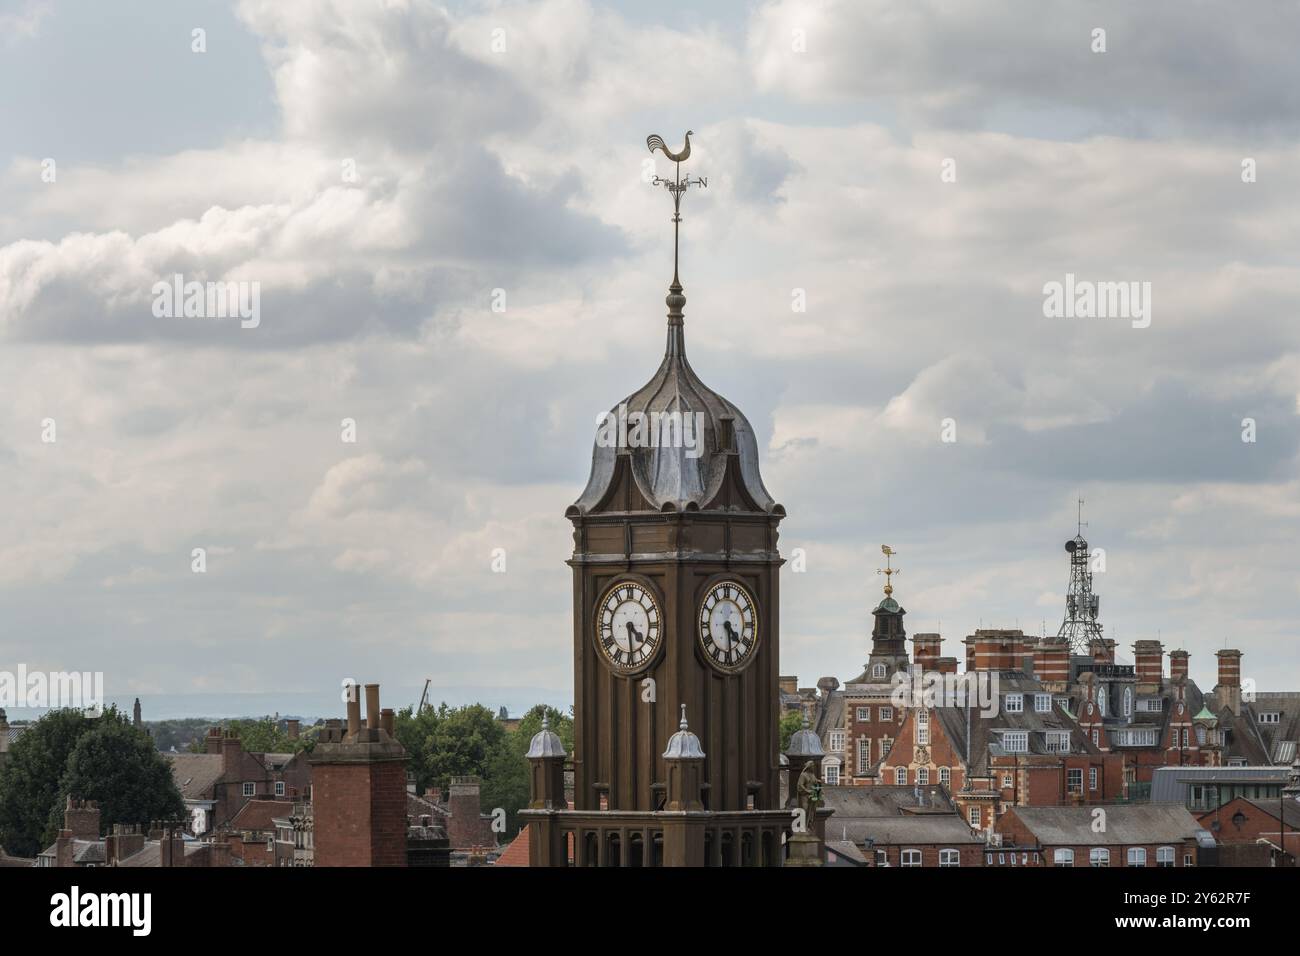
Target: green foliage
257 735
448 742
790 722
29 783
117 766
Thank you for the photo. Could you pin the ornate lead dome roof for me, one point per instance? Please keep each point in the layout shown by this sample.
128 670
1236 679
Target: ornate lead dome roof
687 474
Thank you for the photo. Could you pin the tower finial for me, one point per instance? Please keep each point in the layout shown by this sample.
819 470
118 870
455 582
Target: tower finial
888 570
675 301
682 725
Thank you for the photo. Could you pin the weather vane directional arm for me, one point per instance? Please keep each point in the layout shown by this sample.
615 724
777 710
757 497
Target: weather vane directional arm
675 186
888 570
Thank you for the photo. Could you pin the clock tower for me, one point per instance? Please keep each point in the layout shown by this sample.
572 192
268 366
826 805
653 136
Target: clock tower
676 627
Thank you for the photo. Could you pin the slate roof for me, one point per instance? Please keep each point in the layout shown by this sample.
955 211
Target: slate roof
846 851
1125 824
945 828
885 800
1290 810
151 855
84 852
14 861
196 774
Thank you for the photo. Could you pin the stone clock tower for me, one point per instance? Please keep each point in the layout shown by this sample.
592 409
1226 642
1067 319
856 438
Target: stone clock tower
676 627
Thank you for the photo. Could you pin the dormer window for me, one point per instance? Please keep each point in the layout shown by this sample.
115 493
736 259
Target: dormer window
878 671
1271 718
1014 704
1043 703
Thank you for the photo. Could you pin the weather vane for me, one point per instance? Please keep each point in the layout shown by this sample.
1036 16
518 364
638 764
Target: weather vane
676 186
888 571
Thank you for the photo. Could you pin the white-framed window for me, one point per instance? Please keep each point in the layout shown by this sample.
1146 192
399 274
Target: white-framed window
1092 778
882 858
1101 701
250 789
1137 856
1016 741
1063 857
1151 704
1058 741
1200 735
900 776
1138 737
837 741
1096 737
1184 736
1043 703
864 713
1270 718
1187 859
886 713
1164 856
973 816
922 776
279 788
878 670
864 755
922 727
1128 701
949 858
1236 761
910 858
945 777
1074 780
1099 856
831 772
1014 703
886 745
1007 781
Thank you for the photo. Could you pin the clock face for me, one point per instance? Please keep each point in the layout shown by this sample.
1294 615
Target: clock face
729 626
628 626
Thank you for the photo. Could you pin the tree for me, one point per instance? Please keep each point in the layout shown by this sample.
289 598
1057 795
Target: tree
29 783
790 723
449 742
505 781
258 735
117 766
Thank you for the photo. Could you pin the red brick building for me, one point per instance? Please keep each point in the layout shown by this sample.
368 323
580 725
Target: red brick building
1272 822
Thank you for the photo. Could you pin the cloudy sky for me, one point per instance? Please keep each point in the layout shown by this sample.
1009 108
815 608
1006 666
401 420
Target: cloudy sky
380 169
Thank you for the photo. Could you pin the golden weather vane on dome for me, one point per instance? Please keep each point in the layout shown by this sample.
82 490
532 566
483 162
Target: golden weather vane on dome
888 570
676 187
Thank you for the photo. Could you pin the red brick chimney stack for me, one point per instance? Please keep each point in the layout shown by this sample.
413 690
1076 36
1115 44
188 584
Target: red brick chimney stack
292 727
230 753
1178 665
1052 664
1148 659
359 791
1228 690
1102 650
926 649
81 818
212 744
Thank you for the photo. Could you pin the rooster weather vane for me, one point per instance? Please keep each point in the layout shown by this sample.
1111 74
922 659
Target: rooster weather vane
676 186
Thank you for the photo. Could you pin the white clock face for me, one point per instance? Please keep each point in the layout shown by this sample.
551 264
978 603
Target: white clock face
729 625
628 626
